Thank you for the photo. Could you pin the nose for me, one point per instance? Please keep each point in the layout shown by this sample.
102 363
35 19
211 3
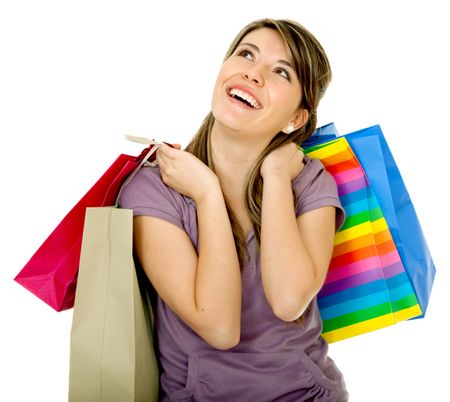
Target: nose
255 75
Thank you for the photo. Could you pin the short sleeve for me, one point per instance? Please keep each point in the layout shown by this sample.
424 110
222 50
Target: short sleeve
146 194
314 188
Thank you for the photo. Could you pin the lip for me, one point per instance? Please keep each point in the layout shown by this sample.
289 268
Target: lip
245 89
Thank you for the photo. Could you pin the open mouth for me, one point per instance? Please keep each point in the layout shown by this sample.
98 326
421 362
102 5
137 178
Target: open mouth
244 97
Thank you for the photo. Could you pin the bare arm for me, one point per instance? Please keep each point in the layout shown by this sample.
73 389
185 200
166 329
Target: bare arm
204 290
295 253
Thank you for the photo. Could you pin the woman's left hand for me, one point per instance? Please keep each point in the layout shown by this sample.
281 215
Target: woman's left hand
286 161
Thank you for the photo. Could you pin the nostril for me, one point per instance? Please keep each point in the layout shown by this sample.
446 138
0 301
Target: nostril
253 77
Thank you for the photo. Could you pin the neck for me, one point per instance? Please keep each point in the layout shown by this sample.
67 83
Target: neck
234 152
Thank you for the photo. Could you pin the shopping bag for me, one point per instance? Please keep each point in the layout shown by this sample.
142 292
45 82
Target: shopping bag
51 272
321 134
372 150
366 287
111 344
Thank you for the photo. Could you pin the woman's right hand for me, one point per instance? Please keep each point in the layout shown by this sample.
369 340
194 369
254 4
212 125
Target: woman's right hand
184 172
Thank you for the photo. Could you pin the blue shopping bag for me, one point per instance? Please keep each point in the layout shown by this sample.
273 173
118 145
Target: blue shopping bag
374 155
322 134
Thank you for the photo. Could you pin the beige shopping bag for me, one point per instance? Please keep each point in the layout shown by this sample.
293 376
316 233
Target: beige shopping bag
112 358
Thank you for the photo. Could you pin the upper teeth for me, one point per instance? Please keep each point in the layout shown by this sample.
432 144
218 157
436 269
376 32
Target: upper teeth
244 95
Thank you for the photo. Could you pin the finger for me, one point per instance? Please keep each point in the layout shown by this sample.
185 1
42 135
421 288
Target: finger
167 151
160 157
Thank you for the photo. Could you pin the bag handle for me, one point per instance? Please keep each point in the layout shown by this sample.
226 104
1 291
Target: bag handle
154 145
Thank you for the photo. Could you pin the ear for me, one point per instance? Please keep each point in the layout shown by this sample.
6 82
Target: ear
298 120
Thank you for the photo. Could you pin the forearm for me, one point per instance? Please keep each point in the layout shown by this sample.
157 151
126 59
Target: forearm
288 274
218 279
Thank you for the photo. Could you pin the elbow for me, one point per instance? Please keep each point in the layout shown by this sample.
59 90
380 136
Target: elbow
222 334
290 304
290 309
224 340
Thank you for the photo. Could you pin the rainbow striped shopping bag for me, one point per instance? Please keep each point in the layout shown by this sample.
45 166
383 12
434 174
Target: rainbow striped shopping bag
367 287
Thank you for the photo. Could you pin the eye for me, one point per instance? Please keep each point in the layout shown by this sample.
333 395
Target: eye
283 73
247 54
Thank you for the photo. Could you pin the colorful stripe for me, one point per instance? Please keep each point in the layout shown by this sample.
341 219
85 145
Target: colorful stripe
343 166
362 241
361 206
366 287
348 175
363 327
382 250
369 313
365 302
352 186
352 269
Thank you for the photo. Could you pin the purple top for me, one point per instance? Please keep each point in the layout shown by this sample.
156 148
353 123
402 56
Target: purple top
274 360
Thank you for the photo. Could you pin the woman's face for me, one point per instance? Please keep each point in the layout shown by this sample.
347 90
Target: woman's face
257 90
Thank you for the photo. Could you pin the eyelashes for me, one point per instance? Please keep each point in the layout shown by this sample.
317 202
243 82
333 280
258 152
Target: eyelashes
284 73
249 55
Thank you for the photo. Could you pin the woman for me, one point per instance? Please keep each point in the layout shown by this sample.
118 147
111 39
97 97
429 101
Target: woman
236 232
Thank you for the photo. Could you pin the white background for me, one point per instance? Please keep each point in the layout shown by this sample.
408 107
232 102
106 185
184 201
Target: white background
76 76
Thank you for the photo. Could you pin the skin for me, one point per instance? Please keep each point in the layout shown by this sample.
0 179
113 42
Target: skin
239 135
295 253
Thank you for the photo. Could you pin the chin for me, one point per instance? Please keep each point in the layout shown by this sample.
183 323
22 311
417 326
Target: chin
230 119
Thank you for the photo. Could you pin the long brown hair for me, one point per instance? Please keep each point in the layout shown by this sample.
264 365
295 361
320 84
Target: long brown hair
313 70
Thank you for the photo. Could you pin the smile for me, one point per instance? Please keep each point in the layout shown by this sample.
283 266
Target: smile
244 97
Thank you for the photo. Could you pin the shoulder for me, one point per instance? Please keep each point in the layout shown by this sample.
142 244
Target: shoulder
146 183
314 179
147 194
314 188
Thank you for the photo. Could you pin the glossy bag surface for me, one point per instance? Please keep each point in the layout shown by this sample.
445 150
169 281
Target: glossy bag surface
372 151
367 287
51 273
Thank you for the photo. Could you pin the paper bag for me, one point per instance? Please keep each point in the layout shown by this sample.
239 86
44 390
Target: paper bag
111 346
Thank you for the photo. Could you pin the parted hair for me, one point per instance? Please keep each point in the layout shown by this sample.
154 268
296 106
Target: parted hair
313 70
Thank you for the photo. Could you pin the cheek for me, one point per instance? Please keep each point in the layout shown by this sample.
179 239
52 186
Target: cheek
217 87
224 73
216 94
287 99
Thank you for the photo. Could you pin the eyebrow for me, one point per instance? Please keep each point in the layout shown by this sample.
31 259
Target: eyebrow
256 48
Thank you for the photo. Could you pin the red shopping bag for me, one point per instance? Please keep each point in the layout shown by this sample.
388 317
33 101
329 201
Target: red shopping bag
51 273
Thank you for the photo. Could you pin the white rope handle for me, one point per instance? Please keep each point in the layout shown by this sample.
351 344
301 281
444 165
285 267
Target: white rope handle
144 161
141 140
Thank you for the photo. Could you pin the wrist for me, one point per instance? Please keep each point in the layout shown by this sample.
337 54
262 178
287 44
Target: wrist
277 177
276 186
211 192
